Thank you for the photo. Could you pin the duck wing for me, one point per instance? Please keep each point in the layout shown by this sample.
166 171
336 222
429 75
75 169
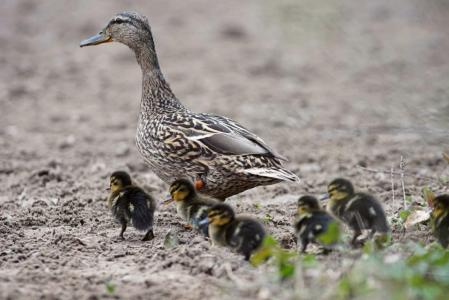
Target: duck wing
225 136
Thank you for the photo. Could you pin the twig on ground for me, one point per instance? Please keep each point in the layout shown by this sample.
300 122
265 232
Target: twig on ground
402 166
392 182
398 173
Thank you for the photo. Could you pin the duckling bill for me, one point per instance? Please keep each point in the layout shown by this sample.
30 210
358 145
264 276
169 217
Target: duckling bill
312 223
440 219
358 210
240 233
190 205
130 203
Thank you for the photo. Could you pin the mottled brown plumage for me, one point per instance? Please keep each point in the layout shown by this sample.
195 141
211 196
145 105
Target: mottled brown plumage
177 142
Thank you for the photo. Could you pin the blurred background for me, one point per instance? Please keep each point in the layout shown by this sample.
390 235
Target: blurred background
333 85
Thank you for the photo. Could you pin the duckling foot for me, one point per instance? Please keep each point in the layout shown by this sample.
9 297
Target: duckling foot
148 236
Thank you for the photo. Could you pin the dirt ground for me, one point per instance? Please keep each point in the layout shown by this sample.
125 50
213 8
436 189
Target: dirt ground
332 85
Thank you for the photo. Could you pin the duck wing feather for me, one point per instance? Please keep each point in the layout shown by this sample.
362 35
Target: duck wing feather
225 136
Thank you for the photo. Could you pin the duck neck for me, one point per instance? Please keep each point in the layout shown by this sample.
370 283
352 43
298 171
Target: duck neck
157 97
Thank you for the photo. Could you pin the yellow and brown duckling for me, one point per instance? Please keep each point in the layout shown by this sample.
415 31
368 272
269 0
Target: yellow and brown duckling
129 202
191 206
440 219
225 157
313 222
240 233
359 211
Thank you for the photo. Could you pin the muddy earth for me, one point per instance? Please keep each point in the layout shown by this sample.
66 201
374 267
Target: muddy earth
338 87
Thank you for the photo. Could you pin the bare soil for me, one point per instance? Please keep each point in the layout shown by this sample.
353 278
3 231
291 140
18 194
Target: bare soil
332 85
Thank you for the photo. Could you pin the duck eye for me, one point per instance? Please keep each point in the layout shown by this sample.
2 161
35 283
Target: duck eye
118 21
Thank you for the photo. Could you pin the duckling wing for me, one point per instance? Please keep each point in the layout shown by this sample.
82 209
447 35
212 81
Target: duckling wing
198 213
142 207
245 235
226 136
365 212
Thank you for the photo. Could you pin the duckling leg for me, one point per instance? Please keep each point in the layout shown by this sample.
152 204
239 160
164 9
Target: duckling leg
247 255
122 231
148 236
354 241
304 244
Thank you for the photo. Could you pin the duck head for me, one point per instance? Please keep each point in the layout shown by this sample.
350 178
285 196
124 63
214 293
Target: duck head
128 28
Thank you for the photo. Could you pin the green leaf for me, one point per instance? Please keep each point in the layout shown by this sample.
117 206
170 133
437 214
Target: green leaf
403 214
286 270
110 287
331 236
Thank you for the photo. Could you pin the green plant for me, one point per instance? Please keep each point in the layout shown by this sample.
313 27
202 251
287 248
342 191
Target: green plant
110 287
283 259
424 274
332 234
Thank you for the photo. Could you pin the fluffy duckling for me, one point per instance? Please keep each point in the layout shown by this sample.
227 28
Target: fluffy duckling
359 210
440 219
131 203
312 221
191 206
243 234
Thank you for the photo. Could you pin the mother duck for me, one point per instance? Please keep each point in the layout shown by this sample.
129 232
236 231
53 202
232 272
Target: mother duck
220 155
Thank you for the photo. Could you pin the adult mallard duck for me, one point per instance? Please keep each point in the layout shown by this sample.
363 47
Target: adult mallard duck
220 155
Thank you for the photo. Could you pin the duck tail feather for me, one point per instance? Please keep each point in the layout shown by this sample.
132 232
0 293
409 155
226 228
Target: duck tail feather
280 174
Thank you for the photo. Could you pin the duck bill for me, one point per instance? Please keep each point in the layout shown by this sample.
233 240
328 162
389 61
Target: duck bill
323 197
97 39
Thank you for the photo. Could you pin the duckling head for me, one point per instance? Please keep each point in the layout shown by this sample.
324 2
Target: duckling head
119 180
307 204
128 28
440 206
182 190
340 189
220 214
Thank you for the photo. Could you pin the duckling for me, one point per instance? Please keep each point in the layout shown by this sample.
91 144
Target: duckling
225 156
440 219
191 206
129 202
241 233
359 210
312 221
